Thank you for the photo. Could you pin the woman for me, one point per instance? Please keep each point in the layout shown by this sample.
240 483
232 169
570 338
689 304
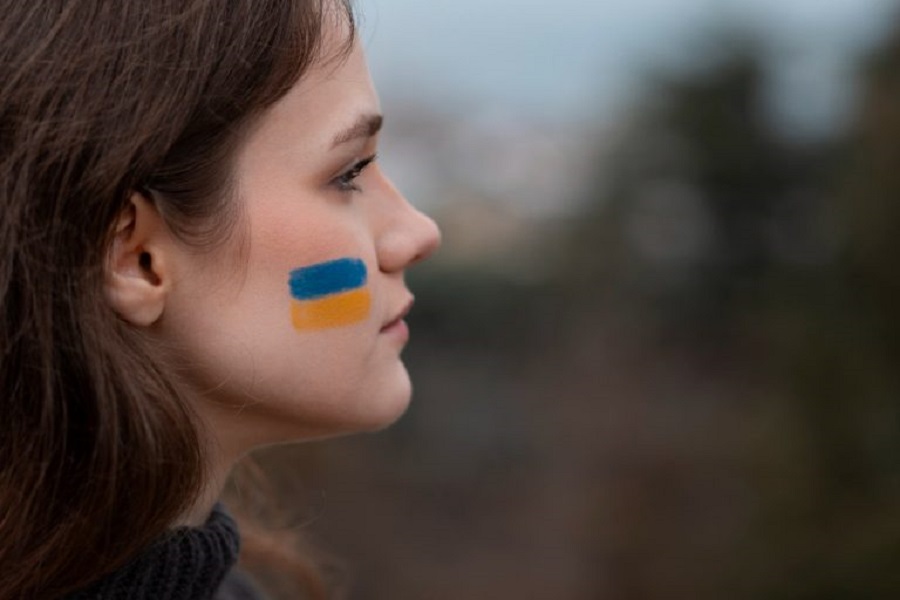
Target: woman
200 256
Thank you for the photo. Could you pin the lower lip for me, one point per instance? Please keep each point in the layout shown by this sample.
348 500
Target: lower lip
398 329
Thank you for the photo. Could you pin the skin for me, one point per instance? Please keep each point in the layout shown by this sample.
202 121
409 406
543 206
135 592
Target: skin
261 381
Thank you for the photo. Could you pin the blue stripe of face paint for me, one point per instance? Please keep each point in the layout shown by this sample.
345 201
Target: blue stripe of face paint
328 278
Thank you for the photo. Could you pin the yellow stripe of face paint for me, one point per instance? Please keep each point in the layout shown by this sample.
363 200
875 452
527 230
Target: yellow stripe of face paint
332 311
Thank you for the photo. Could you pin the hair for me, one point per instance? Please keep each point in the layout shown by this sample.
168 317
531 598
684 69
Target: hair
99 99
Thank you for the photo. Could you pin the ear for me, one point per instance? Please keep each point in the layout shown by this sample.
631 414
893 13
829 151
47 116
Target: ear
137 278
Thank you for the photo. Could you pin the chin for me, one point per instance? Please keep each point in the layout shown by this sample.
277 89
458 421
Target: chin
366 413
385 410
371 421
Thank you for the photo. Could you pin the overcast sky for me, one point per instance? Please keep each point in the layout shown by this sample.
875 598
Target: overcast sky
580 58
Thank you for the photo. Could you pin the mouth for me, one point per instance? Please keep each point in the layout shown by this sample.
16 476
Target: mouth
399 317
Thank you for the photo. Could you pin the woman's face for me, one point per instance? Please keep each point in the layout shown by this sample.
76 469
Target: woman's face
300 337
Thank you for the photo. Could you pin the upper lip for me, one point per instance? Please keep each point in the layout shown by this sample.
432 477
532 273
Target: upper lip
401 314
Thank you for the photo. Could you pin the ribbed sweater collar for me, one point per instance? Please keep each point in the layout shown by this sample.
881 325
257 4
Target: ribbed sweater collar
187 564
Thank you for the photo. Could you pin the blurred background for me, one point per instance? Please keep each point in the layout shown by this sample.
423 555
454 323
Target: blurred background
658 356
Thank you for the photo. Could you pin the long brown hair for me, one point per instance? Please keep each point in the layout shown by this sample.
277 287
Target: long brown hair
99 98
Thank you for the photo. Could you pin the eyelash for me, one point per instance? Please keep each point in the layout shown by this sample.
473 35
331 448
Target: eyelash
345 182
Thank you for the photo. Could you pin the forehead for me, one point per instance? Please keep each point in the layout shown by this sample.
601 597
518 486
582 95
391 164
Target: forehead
331 96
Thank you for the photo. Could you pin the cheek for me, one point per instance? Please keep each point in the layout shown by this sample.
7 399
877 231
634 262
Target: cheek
318 265
294 370
330 294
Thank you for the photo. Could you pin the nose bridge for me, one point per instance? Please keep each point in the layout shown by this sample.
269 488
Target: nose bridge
407 234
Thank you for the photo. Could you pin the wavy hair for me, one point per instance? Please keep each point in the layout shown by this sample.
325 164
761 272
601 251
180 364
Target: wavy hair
99 98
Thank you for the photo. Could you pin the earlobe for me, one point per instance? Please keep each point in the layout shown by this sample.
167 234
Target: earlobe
137 279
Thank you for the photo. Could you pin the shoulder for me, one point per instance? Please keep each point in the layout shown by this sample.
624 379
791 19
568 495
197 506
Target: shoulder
237 585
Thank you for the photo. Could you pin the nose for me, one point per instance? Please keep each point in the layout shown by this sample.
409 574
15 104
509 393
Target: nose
409 236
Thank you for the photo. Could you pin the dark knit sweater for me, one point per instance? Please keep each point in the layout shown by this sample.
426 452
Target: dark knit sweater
187 564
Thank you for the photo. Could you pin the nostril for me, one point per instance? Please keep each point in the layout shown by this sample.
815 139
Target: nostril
408 241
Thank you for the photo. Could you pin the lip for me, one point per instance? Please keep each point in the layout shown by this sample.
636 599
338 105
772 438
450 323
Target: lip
397 322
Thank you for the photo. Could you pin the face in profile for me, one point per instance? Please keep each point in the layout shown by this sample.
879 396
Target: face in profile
299 334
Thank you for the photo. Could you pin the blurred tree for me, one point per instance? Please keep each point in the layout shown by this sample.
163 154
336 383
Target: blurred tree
836 340
705 198
716 232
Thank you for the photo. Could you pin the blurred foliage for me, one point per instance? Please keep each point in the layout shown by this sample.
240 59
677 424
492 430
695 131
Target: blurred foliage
777 256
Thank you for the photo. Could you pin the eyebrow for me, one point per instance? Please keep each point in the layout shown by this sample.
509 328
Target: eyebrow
365 127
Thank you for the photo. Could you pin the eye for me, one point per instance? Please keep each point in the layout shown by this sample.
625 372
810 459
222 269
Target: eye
346 181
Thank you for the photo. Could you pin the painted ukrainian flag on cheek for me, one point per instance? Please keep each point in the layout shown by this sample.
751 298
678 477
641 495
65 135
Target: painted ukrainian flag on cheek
330 294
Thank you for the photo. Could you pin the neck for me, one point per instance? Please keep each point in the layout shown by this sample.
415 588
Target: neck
220 462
